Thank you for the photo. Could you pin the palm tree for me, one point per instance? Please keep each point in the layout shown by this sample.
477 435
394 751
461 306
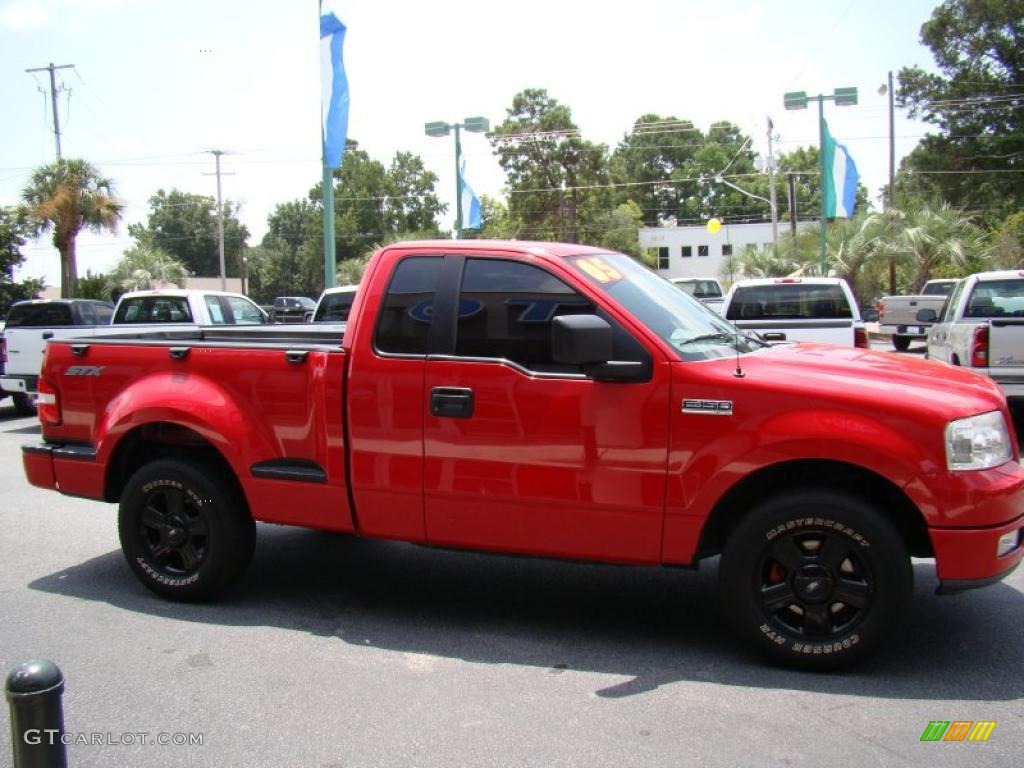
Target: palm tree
143 267
932 238
68 196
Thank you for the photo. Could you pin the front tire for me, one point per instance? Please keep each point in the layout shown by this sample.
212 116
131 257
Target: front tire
186 533
815 579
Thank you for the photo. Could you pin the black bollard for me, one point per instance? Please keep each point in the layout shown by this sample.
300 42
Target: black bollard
34 692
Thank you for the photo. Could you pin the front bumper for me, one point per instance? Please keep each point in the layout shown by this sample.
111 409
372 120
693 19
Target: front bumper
967 558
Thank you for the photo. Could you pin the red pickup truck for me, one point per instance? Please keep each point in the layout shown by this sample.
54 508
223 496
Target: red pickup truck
551 400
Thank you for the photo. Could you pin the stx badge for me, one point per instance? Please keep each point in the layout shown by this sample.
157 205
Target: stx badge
84 370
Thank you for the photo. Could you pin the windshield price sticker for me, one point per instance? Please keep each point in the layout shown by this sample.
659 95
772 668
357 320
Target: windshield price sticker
599 269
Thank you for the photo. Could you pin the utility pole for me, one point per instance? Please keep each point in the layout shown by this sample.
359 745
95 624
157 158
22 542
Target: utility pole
792 204
220 220
771 184
53 96
891 202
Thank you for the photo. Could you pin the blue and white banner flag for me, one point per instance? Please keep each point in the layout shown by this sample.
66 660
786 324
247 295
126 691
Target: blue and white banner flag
333 86
840 182
471 218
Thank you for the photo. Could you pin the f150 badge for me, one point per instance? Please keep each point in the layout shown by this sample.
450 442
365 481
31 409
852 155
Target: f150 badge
84 370
708 407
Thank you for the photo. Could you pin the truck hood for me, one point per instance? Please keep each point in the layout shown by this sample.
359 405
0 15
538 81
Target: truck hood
881 381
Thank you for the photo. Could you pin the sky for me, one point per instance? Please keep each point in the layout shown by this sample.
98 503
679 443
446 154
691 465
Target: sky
156 84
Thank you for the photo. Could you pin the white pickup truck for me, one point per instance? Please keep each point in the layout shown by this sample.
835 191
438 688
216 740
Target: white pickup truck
898 315
28 326
782 309
31 324
706 289
982 328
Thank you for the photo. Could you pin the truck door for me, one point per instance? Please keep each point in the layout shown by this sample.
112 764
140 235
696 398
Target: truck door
522 454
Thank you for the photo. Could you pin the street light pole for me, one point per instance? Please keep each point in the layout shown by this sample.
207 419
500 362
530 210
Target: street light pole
798 100
441 128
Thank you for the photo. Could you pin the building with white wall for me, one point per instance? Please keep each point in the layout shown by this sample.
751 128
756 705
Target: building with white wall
696 252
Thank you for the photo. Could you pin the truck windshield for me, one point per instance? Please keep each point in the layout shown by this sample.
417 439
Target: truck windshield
692 330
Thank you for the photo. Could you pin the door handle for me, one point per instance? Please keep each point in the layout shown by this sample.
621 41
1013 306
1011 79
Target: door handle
776 336
296 356
451 402
47 335
178 353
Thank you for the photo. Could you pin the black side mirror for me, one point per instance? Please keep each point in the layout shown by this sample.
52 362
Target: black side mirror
586 340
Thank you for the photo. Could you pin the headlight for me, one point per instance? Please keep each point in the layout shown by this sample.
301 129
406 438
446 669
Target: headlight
977 442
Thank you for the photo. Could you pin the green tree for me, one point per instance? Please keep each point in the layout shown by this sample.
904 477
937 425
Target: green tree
619 229
974 160
644 162
13 231
411 205
94 286
68 196
144 267
935 242
552 172
371 204
184 225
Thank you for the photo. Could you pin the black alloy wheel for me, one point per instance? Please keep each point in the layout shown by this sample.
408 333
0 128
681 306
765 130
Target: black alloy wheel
185 530
815 578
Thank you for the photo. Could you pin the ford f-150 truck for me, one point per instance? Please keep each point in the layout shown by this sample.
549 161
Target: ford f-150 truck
550 400
898 315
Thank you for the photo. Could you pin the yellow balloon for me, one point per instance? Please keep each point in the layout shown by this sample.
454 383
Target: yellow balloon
714 225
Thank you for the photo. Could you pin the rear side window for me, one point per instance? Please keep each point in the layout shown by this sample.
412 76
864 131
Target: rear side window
997 298
103 313
789 301
153 309
216 311
39 315
405 315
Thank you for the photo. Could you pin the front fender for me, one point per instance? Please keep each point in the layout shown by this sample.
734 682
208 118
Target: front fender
724 455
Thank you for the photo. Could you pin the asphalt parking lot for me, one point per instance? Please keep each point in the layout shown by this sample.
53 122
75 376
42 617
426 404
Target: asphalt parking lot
340 652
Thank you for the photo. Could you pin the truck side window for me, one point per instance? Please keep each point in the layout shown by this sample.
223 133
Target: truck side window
408 307
216 311
505 312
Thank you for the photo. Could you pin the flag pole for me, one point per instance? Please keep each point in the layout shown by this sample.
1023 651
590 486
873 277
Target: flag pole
821 152
330 267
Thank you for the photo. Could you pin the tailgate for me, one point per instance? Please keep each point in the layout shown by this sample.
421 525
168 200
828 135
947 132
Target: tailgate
817 331
1006 354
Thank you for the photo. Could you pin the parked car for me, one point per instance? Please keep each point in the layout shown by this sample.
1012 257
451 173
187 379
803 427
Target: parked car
817 309
982 327
554 400
293 309
335 304
898 315
28 326
706 289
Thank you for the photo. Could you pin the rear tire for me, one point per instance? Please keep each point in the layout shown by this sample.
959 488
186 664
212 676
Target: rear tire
24 404
901 343
815 579
186 533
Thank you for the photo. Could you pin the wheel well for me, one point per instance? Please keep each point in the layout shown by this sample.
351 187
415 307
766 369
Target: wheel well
160 440
898 509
